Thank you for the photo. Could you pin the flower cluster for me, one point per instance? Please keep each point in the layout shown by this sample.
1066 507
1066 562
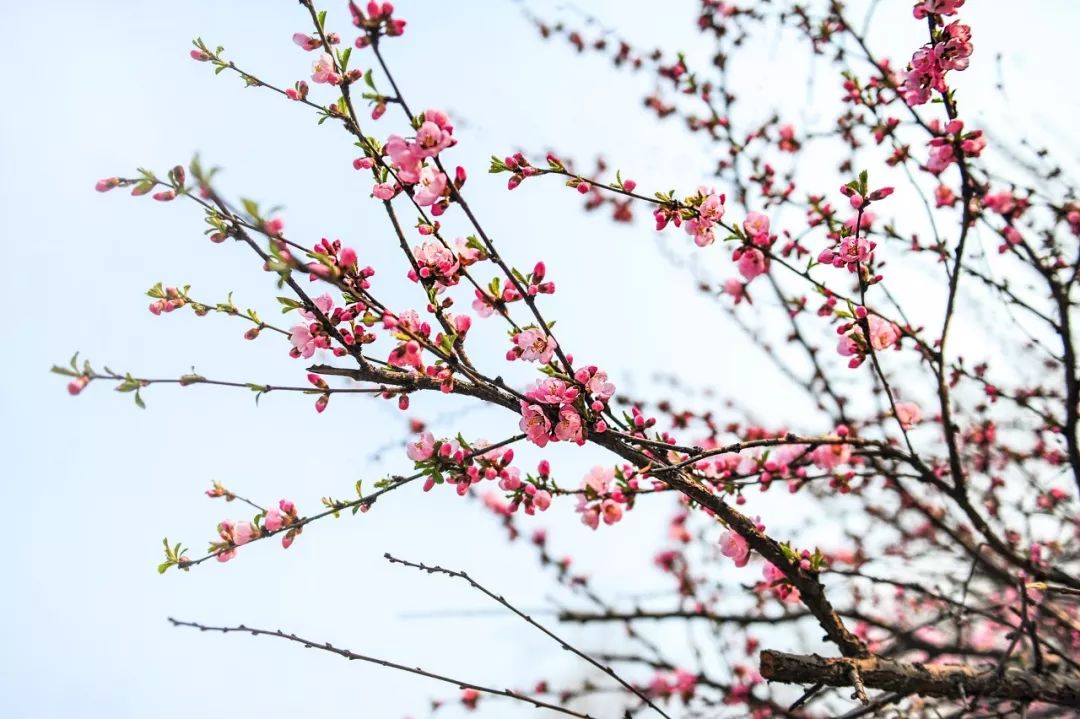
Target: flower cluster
550 413
378 20
437 262
236 533
943 146
497 297
778 584
951 50
854 342
555 409
519 168
413 164
532 345
925 8
708 211
750 257
463 465
599 500
680 683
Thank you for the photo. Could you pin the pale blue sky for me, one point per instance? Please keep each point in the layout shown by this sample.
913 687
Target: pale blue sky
91 485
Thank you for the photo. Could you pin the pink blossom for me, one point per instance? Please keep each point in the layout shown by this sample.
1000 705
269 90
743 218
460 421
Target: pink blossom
422 448
756 224
244 532
788 143
936 7
684 684
847 346
751 263
733 545
303 341
468 254
535 424
542 500
274 520
407 354
434 134
384 191
777 581
534 345
404 158
569 427
908 413
736 289
883 334
709 213
437 261
552 390
323 71
325 304
599 387
830 456
598 479
611 511
307 42
944 196
431 184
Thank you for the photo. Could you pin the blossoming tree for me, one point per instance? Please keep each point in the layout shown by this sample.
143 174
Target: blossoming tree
952 471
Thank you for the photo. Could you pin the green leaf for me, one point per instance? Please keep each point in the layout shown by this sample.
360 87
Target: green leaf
163 567
128 385
322 19
64 371
139 401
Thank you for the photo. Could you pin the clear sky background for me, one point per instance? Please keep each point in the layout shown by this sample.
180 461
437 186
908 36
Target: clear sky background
92 484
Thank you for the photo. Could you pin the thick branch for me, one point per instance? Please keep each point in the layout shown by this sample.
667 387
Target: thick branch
940 680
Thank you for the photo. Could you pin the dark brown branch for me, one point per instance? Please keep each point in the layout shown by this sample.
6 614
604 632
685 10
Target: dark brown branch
940 680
